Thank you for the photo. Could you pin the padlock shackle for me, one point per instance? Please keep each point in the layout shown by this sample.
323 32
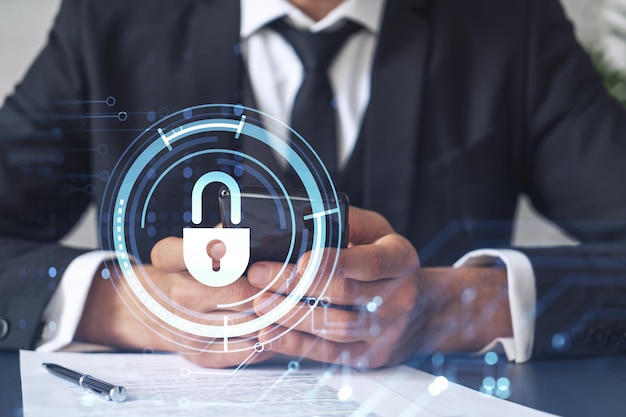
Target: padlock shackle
200 185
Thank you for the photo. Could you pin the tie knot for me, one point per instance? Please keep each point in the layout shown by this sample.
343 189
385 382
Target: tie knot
315 50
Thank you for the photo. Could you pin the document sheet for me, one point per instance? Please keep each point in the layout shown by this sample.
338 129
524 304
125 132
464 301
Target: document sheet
169 385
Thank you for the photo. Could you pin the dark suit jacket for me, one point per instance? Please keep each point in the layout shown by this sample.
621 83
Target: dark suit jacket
472 103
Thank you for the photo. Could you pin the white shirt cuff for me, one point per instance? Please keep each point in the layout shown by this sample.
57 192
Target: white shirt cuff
65 308
522 299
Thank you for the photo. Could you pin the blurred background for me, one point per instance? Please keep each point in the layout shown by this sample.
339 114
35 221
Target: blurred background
600 26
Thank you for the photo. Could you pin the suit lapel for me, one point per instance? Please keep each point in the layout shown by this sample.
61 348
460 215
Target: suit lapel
393 116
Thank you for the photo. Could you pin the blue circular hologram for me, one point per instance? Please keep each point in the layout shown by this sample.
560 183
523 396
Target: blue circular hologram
154 141
122 116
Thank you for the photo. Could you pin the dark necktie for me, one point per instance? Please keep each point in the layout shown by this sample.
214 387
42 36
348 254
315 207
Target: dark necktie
313 114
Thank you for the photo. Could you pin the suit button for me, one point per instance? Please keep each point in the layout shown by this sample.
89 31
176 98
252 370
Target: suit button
579 337
4 329
613 337
597 337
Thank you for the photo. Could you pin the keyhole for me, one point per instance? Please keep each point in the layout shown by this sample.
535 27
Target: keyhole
216 249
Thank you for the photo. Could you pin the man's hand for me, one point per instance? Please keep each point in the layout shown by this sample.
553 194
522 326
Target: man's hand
382 306
114 317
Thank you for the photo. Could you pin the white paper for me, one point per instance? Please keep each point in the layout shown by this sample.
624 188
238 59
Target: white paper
168 385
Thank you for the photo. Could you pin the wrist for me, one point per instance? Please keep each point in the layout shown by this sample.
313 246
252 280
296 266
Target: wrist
466 307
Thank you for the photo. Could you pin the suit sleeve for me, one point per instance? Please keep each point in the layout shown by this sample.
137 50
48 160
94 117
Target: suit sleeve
44 181
575 175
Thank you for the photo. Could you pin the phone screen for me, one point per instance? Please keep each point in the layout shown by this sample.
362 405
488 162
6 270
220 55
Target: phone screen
268 216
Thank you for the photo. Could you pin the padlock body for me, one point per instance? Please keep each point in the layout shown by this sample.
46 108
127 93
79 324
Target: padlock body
232 265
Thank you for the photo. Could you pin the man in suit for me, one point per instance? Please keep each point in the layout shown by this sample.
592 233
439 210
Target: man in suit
464 106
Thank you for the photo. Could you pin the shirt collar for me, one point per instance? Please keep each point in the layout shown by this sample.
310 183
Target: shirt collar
256 14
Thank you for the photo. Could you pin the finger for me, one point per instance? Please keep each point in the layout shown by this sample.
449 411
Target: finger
180 291
300 344
246 353
167 255
337 290
390 256
367 226
325 321
187 292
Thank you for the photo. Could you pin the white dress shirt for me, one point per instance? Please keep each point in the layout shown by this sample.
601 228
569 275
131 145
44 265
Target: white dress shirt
275 74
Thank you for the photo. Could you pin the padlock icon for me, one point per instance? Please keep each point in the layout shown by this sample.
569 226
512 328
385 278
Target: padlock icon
236 240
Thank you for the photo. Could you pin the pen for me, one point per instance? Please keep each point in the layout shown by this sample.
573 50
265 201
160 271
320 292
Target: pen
95 386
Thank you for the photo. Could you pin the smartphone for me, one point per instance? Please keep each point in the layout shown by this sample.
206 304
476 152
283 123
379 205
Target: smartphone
276 235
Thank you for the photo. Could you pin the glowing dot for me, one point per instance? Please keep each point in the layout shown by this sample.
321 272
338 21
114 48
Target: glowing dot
52 272
187 114
489 383
187 216
52 326
187 172
491 358
151 217
294 366
106 274
503 384
237 49
372 307
375 330
378 300
238 110
345 393
438 359
238 171
151 116
122 116
558 341
151 231
185 372
468 295
362 362
439 385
